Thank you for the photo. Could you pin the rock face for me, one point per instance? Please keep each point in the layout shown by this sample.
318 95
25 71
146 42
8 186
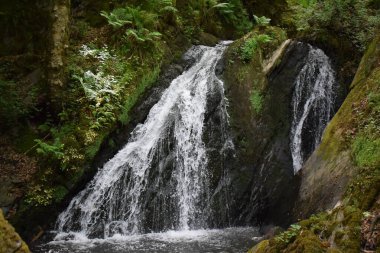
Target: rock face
329 169
10 241
264 176
345 169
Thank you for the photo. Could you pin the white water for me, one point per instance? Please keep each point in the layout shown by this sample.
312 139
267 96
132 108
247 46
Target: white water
313 97
231 240
113 203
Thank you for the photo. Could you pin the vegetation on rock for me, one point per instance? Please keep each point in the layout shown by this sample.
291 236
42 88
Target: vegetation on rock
71 75
10 241
339 230
356 21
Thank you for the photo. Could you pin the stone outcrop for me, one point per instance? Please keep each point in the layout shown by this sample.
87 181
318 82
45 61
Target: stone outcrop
10 241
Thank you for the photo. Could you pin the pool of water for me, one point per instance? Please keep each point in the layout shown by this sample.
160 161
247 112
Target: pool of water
234 240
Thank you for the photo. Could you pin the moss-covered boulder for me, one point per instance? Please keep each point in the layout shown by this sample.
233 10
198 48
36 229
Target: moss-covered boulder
344 171
260 247
10 241
344 148
259 81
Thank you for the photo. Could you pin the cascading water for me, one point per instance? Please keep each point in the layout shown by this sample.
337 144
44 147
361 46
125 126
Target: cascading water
159 180
178 175
312 104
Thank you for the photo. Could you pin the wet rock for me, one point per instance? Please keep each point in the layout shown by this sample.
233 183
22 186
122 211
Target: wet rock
328 171
207 39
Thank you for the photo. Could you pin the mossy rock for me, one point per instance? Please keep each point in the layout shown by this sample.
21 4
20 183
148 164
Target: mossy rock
342 153
306 242
207 39
260 248
336 168
10 241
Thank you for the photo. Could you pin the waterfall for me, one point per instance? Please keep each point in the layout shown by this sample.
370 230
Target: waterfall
312 105
159 180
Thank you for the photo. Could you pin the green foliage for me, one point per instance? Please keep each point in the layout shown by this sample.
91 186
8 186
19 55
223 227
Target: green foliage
53 151
59 193
262 21
256 101
133 96
374 101
117 18
131 16
138 26
14 103
251 45
366 151
102 91
39 196
214 15
307 3
366 145
289 235
354 19
141 37
44 192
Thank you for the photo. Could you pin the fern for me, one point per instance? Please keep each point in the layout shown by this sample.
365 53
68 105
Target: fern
251 45
168 9
117 19
54 151
261 21
142 35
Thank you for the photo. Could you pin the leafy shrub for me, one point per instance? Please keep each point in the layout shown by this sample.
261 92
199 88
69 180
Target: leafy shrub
354 19
102 90
217 15
130 16
39 196
138 38
137 26
261 21
252 44
236 15
117 18
289 235
53 151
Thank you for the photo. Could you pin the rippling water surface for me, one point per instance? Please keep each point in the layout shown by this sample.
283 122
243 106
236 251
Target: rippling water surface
234 240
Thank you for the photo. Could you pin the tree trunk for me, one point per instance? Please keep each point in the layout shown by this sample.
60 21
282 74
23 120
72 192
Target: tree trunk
59 42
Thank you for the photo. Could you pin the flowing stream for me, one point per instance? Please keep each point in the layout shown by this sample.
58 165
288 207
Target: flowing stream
313 105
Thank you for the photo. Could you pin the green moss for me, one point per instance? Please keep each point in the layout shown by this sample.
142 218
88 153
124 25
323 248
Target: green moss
256 99
260 248
356 115
366 151
364 188
306 242
93 148
147 80
368 62
10 241
253 44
